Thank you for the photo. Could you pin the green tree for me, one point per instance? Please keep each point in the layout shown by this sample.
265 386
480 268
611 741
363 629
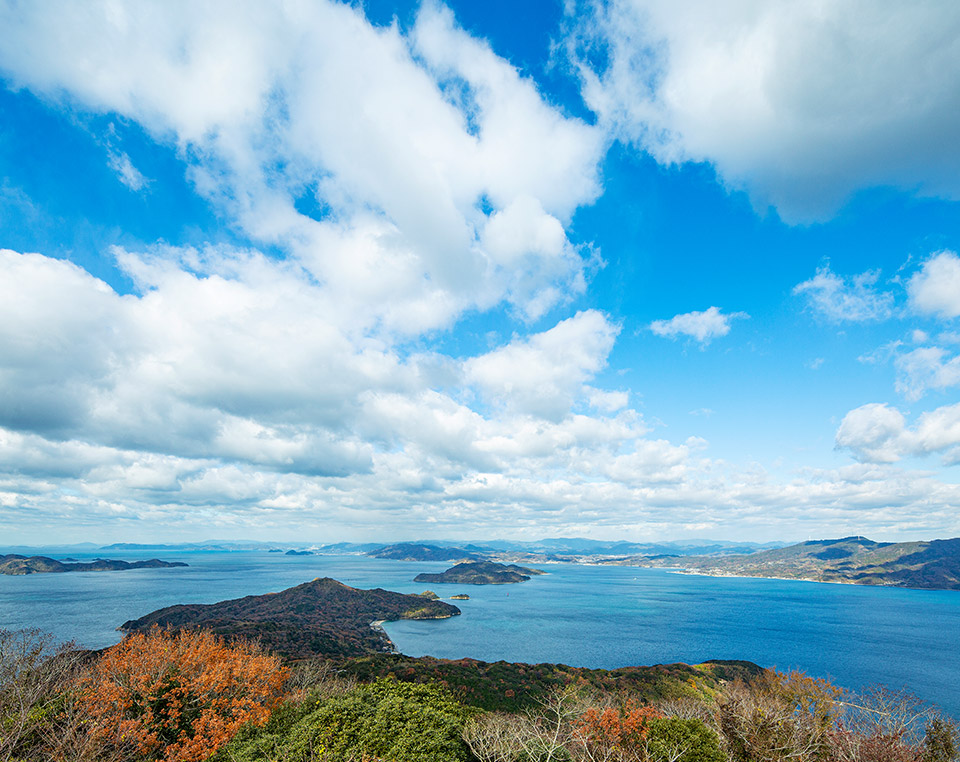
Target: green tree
672 739
940 741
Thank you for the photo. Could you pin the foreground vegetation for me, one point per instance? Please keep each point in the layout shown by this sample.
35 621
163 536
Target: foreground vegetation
189 696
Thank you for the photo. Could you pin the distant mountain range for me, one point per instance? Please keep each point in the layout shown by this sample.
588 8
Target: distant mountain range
557 548
408 551
933 564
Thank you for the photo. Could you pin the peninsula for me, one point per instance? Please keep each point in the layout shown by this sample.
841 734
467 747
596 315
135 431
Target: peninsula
19 565
480 573
319 618
933 565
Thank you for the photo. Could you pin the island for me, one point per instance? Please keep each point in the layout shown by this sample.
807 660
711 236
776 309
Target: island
460 597
407 551
319 618
932 565
16 565
480 573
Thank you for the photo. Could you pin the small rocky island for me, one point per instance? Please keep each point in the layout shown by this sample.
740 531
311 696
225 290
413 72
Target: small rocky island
480 573
319 618
19 565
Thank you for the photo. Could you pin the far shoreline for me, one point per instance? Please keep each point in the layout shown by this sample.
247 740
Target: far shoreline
684 572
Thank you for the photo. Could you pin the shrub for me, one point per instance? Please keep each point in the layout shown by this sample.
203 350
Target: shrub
778 716
940 741
672 739
179 696
388 720
614 734
401 722
34 673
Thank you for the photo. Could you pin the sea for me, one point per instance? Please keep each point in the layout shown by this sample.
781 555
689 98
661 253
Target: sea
587 616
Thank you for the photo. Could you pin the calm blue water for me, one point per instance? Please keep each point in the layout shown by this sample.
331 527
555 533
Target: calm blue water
580 615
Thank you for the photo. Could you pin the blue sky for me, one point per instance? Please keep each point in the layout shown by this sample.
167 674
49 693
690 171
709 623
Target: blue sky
406 270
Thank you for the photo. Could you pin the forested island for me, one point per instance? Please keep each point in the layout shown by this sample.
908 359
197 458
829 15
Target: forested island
17 565
480 573
933 564
319 618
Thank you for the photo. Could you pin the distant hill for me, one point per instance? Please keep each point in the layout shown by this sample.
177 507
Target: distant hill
319 618
408 551
480 573
19 565
933 564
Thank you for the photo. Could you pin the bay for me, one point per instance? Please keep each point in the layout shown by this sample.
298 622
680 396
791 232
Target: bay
589 616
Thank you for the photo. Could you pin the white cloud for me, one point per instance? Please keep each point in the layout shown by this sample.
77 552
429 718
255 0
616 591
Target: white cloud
703 326
543 374
447 147
841 299
935 289
128 174
790 101
878 433
924 369
873 433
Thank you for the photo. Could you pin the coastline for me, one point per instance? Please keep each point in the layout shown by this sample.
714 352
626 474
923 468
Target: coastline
678 570
377 626
692 573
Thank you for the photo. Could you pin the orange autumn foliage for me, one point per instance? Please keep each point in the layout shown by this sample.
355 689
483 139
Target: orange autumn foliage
179 696
615 733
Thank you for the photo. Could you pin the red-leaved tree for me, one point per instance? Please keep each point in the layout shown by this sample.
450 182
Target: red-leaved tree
179 696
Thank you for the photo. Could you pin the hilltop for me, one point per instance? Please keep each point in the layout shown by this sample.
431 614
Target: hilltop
17 565
480 573
319 618
933 564
514 686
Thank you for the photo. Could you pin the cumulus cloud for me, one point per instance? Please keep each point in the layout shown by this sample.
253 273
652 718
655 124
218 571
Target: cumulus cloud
542 374
872 432
703 326
222 394
789 101
935 288
447 189
846 299
878 433
227 380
